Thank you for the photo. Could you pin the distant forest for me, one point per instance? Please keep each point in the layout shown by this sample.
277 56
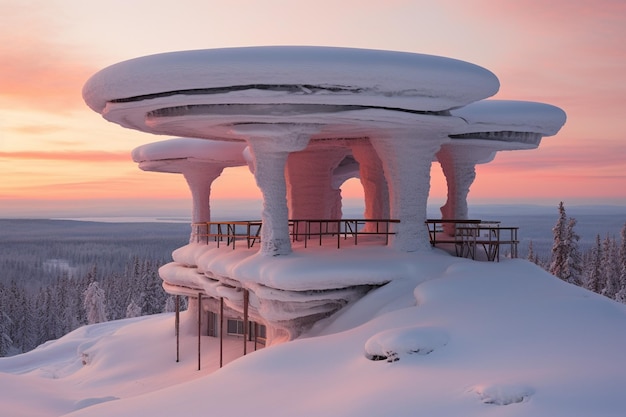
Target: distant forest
57 275
47 267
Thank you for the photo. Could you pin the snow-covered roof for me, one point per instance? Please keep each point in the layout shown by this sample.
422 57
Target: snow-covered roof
224 153
296 74
510 115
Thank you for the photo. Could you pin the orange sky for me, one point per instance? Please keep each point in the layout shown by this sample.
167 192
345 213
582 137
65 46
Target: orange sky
570 53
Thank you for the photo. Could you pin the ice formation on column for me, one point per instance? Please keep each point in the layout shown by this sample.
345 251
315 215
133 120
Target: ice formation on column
459 167
270 146
310 175
375 189
407 168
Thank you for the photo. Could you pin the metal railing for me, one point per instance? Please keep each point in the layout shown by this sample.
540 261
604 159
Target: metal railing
305 230
469 234
227 233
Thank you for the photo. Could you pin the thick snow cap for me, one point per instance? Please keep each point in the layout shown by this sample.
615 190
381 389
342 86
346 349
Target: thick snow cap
226 153
506 124
510 115
296 75
177 155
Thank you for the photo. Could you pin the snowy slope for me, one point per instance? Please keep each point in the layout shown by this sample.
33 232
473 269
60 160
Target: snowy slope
474 339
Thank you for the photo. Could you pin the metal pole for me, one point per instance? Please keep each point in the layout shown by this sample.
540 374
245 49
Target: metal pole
221 330
199 325
245 321
177 326
256 334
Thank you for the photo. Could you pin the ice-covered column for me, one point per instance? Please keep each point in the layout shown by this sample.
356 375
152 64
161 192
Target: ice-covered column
371 173
270 145
407 155
458 163
200 179
310 182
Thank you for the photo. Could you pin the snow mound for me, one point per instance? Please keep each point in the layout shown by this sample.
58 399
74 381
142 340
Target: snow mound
391 344
88 402
503 394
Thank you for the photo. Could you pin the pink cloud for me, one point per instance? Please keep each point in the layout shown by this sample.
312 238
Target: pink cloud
76 156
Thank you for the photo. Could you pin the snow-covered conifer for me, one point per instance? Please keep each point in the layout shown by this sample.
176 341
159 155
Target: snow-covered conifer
5 338
621 294
560 247
572 272
610 268
594 282
94 303
133 309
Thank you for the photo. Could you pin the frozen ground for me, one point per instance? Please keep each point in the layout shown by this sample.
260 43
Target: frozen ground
457 338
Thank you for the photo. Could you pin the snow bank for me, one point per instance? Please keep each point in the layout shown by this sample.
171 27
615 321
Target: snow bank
502 339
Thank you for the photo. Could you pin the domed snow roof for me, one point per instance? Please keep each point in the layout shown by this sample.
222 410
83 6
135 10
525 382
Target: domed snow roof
296 74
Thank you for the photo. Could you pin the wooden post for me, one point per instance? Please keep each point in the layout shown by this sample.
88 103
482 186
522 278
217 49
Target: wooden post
199 325
245 321
256 334
221 330
177 326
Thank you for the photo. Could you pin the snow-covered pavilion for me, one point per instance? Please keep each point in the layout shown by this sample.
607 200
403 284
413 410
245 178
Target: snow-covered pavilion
304 119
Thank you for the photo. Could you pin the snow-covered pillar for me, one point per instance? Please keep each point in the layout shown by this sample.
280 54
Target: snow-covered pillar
407 155
270 146
310 182
200 181
371 173
458 163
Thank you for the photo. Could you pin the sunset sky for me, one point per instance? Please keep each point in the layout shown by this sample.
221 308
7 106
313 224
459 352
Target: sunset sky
58 157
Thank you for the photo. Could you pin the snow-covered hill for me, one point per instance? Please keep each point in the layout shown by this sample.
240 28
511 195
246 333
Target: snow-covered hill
462 338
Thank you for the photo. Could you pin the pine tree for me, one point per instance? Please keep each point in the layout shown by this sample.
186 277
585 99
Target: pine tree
45 316
532 257
621 294
610 268
560 247
594 282
573 263
94 303
5 339
170 304
133 310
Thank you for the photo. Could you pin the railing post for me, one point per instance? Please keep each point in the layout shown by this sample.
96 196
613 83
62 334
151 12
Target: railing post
199 326
246 296
177 326
221 331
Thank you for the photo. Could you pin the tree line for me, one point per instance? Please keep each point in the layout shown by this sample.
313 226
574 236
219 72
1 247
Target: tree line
601 269
31 316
